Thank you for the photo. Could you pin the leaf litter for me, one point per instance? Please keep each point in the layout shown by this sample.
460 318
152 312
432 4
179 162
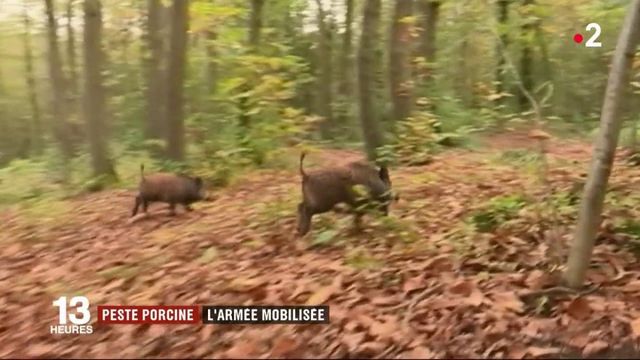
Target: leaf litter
451 293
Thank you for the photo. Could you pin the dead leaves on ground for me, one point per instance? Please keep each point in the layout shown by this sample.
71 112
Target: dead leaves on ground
427 300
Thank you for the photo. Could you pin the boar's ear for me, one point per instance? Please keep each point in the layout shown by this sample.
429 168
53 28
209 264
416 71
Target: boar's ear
384 174
198 181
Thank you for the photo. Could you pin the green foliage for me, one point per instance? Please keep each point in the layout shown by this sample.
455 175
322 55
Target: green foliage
208 255
520 157
324 237
415 143
497 211
630 227
361 259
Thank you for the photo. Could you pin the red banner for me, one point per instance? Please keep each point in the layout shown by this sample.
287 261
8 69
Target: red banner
169 314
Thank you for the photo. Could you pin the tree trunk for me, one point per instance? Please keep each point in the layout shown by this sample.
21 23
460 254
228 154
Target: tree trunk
59 126
255 22
346 57
324 78
430 11
177 63
400 60
255 29
367 65
526 57
503 18
212 63
36 120
605 147
94 94
71 54
155 119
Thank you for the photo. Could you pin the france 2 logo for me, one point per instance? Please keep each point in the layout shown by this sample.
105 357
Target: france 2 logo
79 319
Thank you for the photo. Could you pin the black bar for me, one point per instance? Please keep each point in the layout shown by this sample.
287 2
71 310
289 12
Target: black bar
224 314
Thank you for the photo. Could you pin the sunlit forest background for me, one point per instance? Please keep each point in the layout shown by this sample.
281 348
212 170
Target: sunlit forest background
484 113
219 86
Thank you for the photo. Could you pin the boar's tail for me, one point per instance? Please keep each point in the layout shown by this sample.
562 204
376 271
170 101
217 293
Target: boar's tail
304 175
141 171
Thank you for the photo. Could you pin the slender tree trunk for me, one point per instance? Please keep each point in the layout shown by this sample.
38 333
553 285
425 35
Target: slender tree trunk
94 94
155 114
526 57
325 77
367 65
36 117
255 23
177 64
60 127
430 12
71 53
212 63
605 147
400 61
503 18
255 30
346 57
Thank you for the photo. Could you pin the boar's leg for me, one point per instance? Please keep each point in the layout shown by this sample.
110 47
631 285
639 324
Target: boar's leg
145 205
172 209
357 221
136 206
304 219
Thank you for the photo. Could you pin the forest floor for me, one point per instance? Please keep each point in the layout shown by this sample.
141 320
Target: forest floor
420 284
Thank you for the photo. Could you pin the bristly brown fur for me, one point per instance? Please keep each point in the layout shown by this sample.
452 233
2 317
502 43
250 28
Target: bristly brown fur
169 188
302 173
323 189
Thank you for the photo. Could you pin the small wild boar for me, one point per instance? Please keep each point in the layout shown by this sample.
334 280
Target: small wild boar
168 188
323 189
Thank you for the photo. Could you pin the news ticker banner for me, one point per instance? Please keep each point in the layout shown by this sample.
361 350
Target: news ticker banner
74 315
210 314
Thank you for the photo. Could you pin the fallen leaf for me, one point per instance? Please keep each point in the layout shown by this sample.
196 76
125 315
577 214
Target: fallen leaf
440 264
531 330
579 341
537 280
39 350
579 309
412 284
383 330
371 348
632 286
539 135
635 328
242 350
352 341
384 300
206 332
536 351
208 255
244 284
284 346
508 301
13 249
351 326
517 352
594 348
462 288
365 320
157 330
323 294
476 298
419 352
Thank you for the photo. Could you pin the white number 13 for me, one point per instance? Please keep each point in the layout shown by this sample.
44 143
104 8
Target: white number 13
592 40
81 304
